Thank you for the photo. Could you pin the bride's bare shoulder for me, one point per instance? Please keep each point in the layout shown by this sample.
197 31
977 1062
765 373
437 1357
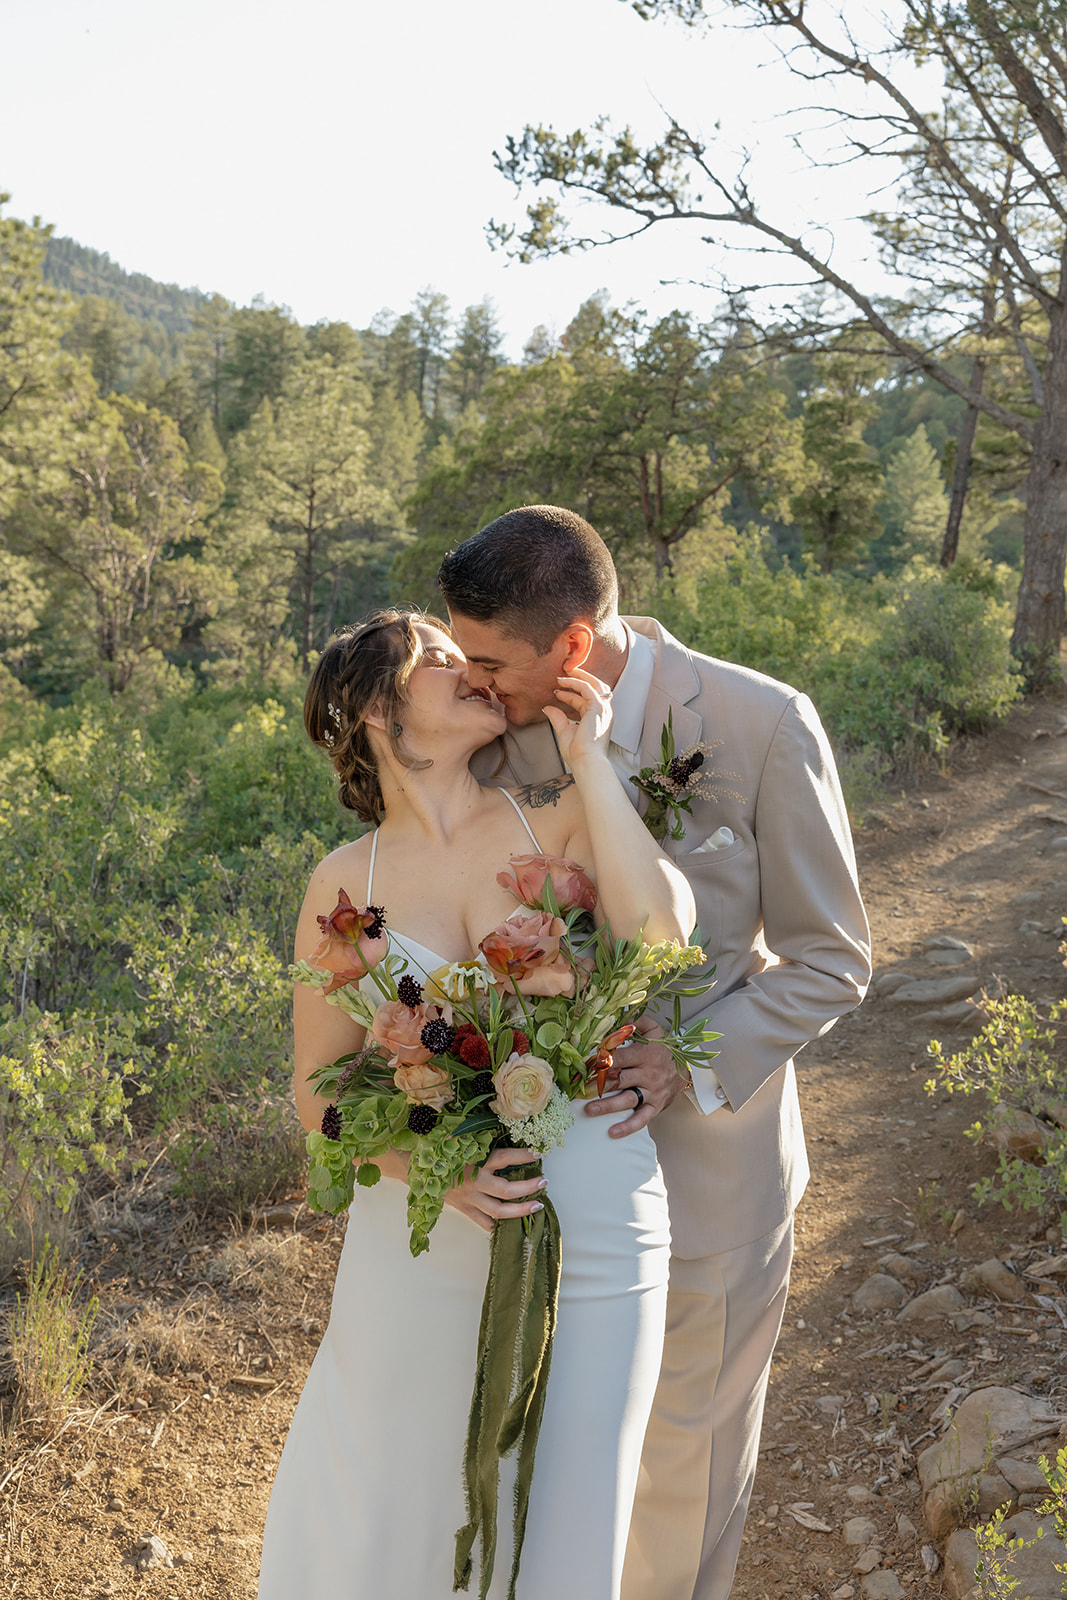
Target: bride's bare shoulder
344 868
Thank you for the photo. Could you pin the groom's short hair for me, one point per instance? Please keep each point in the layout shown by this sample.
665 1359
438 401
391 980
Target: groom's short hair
532 573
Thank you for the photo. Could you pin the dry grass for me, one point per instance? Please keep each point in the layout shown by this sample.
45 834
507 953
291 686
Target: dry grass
166 1340
262 1261
51 1326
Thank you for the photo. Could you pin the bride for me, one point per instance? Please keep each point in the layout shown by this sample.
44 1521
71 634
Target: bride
368 1494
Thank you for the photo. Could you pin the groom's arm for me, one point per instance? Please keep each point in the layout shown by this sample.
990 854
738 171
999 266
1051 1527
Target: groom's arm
814 923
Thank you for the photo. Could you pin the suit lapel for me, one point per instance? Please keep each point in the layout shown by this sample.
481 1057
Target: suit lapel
674 683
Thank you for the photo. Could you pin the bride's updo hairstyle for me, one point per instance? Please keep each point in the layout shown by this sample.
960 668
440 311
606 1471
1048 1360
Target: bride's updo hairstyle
365 666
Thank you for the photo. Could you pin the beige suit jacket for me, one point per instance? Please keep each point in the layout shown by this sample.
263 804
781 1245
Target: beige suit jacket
781 915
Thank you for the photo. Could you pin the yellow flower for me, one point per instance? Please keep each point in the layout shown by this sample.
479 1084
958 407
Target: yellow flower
453 981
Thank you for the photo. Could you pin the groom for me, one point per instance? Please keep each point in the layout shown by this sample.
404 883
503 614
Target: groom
769 857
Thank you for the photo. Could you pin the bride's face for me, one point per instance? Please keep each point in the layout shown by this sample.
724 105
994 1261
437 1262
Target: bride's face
441 700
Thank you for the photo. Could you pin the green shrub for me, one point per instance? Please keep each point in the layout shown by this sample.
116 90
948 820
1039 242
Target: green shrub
1012 1063
960 634
215 1006
265 778
245 1155
895 666
996 1551
62 1105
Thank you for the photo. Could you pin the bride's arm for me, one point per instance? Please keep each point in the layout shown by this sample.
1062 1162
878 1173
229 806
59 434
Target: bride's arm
640 888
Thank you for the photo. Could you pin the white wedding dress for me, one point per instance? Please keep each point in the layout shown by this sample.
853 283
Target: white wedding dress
369 1490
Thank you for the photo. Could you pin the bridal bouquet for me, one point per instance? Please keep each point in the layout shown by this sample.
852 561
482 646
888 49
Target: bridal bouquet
480 1053
467 1058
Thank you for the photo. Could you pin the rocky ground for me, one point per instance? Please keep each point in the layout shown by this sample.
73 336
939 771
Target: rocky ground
897 1317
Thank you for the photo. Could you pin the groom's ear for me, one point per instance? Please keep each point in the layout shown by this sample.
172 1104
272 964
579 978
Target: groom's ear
579 642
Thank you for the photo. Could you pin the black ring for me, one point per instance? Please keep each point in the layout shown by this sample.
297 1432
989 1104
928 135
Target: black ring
640 1096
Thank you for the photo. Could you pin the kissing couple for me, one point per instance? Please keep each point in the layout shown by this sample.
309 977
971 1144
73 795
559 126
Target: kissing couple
514 731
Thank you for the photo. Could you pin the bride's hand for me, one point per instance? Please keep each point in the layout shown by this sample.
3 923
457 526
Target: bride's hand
485 1197
587 732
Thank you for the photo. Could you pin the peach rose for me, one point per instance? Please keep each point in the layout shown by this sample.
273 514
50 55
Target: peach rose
523 1087
424 1085
523 953
353 941
571 884
398 1029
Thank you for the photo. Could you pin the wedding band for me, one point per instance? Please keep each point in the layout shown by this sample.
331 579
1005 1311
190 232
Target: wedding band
640 1097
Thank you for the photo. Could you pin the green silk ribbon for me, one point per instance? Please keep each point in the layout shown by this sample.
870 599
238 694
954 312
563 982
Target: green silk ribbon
514 1352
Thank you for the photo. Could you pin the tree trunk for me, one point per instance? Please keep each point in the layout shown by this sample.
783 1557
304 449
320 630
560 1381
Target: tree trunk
308 583
1039 615
961 476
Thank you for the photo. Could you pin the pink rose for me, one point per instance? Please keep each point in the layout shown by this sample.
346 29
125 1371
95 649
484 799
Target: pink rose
571 884
524 953
398 1029
523 1086
424 1085
353 941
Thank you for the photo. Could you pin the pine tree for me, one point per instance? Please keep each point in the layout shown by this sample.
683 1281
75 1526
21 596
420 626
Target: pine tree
837 510
915 504
299 490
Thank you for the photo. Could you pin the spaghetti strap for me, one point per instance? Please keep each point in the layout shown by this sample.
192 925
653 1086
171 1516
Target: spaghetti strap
370 865
522 819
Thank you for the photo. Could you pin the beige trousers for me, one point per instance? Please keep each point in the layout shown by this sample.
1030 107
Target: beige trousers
724 1313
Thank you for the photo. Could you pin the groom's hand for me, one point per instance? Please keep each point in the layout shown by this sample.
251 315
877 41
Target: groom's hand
646 1065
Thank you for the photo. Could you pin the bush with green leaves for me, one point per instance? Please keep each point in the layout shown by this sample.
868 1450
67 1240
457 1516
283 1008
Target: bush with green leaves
62 1104
242 1153
1014 1063
996 1551
895 666
151 873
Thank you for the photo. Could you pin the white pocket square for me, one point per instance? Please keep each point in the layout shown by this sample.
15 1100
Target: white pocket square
715 841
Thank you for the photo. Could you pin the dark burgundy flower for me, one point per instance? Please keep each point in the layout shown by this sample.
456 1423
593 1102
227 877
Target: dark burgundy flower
409 990
438 1035
474 1051
331 1122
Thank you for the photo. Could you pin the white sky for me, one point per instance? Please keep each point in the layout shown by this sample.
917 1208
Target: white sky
338 157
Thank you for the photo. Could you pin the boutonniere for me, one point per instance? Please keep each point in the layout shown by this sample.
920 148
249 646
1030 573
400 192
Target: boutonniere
676 781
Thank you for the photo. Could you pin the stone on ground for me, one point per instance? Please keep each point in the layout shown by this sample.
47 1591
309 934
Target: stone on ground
880 1293
934 991
943 1301
882 1585
999 1279
1020 1133
859 1531
149 1552
903 1268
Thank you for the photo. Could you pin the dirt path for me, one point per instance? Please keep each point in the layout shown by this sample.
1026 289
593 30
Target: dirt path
211 1333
